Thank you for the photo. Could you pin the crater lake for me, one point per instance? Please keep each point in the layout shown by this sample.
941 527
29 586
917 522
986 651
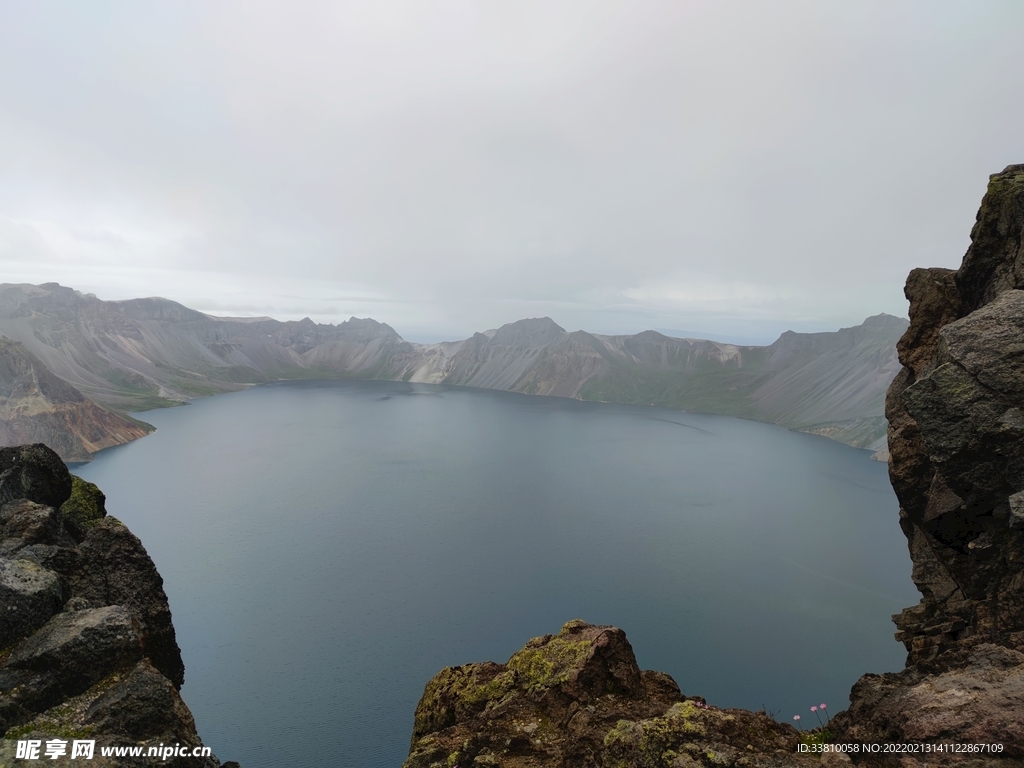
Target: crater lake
328 546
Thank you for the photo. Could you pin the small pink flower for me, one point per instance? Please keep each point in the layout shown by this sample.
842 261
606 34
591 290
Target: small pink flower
814 709
821 706
796 717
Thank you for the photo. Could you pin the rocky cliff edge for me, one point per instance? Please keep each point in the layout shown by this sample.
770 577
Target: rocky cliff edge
579 699
956 441
87 648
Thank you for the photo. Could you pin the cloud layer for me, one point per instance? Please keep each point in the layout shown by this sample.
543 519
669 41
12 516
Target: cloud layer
730 168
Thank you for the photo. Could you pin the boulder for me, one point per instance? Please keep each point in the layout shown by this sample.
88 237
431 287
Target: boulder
142 706
33 472
33 523
70 653
29 596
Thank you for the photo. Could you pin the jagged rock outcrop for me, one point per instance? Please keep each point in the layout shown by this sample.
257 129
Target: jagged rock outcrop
578 700
956 438
87 647
38 407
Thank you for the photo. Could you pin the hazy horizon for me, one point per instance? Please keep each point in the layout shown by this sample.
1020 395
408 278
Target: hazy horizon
426 338
728 169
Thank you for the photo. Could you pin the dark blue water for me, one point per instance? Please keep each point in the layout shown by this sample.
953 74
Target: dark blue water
328 546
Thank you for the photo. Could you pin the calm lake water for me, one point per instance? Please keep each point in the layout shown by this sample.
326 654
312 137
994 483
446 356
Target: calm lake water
327 547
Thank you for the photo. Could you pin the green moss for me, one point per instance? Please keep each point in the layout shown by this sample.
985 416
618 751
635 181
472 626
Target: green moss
623 733
491 691
660 740
685 716
86 506
545 665
456 693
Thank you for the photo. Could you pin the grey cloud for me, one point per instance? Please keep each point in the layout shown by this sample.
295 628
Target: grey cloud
451 165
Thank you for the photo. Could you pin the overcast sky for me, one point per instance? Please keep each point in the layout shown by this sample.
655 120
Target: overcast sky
727 169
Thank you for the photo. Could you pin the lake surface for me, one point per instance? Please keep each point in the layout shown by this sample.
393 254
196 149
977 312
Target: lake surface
327 547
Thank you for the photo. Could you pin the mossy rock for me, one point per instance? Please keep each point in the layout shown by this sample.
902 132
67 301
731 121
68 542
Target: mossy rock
85 507
456 694
548 661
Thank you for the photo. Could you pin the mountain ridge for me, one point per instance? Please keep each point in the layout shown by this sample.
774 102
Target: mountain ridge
137 354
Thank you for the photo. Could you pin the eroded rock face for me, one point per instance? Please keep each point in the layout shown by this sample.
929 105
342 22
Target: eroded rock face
578 698
86 641
956 440
115 569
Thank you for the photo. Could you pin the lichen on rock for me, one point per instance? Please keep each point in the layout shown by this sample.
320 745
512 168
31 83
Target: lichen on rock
578 698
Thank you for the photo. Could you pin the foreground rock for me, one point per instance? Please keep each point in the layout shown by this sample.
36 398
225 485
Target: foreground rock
87 648
578 698
956 439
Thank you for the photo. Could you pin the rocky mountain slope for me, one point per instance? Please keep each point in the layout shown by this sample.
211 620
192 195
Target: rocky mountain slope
38 407
956 436
87 648
149 352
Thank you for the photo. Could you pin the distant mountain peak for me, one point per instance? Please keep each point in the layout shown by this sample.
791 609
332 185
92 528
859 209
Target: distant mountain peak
883 320
533 331
158 308
366 327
